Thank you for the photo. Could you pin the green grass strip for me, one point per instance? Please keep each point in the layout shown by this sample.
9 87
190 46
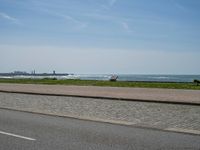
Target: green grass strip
166 85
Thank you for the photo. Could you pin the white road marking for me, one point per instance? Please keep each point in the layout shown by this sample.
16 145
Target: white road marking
18 136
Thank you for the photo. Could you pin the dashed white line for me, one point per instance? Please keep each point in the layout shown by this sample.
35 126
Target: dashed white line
18 136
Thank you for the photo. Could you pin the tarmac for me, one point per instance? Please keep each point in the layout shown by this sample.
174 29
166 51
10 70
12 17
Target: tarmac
179 96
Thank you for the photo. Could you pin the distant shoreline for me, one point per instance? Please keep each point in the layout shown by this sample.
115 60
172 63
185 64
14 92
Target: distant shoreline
104 77
36 74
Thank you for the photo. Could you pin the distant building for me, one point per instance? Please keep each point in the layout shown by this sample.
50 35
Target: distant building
33 72
20 73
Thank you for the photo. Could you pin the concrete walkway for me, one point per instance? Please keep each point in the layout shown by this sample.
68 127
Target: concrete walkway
140 94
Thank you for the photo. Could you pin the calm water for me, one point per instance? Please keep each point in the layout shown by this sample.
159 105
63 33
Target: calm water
163 78
123 77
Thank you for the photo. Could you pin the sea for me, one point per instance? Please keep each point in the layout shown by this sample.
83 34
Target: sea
121 77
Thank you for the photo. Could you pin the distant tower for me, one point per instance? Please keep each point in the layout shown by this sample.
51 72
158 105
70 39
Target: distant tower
33 72
54 72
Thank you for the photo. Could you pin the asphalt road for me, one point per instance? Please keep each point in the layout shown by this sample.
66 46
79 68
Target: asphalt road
27 131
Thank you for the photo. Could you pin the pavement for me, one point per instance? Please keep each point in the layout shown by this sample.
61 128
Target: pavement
163 116
143 107
122 93
27 131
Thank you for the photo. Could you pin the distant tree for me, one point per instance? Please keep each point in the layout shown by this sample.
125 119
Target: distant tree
196 81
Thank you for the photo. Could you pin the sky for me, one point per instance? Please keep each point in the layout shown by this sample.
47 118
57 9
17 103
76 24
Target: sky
100 36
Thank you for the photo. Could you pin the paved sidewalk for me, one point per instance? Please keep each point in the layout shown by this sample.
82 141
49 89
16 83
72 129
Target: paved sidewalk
142 94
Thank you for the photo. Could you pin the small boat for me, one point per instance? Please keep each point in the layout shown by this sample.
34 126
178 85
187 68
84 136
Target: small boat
113 78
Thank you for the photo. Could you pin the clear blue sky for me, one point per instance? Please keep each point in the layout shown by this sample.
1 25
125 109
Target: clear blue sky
100 36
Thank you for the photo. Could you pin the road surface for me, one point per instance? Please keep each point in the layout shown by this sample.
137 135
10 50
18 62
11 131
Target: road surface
27 131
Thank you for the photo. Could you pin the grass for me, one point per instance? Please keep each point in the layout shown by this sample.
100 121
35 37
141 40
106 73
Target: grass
167 85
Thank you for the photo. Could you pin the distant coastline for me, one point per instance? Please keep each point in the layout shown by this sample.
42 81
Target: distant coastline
102 77
36 74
